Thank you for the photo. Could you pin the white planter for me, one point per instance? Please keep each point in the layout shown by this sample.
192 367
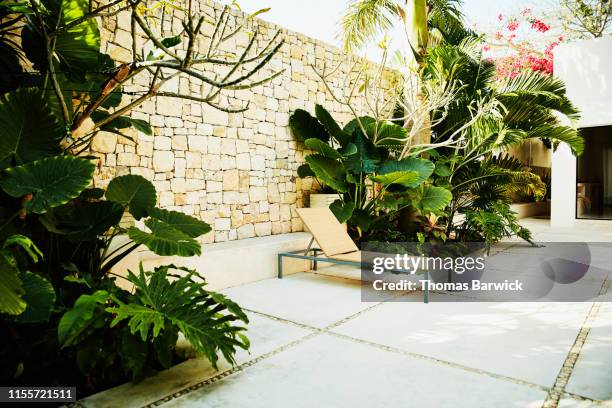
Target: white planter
322 200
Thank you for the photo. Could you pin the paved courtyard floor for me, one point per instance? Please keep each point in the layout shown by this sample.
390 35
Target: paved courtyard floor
316 344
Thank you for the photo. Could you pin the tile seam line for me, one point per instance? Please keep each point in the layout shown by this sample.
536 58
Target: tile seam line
565 372
241 367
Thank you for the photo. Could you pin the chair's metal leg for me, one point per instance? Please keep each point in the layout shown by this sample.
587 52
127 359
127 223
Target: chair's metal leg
314 262
426 289
280 266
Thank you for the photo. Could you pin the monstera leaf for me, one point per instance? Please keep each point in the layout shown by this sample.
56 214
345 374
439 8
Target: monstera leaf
342 211
322 148
186 224
39 297
164 239
133 191
331 125
29 129
51 182
304 126
328 171
423 169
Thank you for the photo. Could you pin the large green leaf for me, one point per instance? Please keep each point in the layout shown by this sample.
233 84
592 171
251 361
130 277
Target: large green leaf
39 297
353 125
29 129
331 125
83 222
52 181
366 159
165 240
205 318
77 319
304 171
404 178
423 168
387 133
304 126
187 224
343 211
11 287
328 171
77 49
133 191
433 199
322 148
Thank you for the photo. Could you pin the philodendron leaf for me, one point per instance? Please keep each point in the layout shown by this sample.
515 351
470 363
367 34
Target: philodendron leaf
404 178
328 171
331 125
29 129
304 126
187 224
433 199
423 168
322 148
52 181
39 297
342 211
11 287
133 191
164 239
77 319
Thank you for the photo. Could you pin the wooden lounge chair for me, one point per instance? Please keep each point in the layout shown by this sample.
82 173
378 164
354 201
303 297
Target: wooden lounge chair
333 241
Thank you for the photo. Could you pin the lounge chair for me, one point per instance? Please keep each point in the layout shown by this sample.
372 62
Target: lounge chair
333 242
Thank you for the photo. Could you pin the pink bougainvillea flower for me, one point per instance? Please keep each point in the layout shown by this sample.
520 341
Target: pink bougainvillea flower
513 25
539 25
500 17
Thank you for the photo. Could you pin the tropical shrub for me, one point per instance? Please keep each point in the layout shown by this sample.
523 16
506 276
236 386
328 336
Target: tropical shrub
69 315
482 116
358 161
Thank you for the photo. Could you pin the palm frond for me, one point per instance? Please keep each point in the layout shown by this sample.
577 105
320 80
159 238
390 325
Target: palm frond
364 19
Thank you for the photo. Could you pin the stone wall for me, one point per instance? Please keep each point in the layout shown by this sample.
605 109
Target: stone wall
236 171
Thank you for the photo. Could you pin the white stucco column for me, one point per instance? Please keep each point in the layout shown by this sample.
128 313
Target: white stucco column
586 68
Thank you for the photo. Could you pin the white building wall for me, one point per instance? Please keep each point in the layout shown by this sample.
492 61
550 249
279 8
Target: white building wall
586 68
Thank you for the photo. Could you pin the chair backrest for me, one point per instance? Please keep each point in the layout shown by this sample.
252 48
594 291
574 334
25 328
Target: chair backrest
327 231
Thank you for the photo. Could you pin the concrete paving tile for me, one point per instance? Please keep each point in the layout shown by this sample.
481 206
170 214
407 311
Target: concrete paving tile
592 374
527 341
307 298
327 371
264 334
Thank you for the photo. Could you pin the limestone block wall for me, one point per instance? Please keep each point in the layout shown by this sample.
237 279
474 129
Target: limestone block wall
236 171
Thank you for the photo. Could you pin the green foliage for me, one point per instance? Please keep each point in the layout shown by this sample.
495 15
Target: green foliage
304 126
30 131
351 161
51 181
165 240
205 318
55 296
39 297
132 191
